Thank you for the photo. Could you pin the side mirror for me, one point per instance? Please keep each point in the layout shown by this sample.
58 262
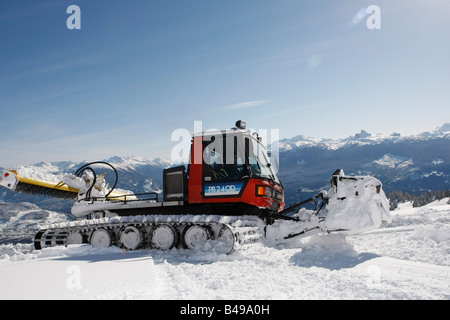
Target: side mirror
250 171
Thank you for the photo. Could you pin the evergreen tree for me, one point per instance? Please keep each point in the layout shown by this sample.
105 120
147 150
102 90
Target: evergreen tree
398 196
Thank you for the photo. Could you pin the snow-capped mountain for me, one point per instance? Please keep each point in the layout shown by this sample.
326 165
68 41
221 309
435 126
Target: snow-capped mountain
362 138
414 163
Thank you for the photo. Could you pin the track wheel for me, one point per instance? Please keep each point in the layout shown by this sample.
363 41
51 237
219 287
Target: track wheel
225 240
38 243
131 237
195 236
74 238
101 238
163 237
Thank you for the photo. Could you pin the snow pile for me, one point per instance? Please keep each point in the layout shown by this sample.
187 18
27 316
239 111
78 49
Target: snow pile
438 233
49 175
19 252
333 252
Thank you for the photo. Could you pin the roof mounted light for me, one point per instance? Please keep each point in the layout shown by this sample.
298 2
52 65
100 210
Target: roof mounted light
241 124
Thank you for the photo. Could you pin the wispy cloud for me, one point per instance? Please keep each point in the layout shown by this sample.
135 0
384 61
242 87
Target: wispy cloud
245 105
37 70
33 8
275 114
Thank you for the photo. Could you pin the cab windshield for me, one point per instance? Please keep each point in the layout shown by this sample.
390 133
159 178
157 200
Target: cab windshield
234 157
259 161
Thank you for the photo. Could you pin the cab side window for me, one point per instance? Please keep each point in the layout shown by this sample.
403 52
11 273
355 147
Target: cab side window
221 159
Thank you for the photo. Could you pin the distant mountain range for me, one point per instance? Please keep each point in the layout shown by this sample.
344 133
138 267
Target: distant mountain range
409 163
415 163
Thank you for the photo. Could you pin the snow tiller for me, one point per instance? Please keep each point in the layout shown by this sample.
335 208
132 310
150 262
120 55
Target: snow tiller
228 196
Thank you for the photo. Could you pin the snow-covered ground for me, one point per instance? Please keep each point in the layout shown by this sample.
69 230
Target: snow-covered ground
409 259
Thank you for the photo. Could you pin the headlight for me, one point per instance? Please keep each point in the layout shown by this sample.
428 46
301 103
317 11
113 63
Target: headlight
263 191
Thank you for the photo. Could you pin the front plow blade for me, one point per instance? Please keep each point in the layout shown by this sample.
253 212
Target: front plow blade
355 204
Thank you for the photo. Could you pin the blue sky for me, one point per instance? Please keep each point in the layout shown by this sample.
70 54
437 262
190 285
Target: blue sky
137 70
